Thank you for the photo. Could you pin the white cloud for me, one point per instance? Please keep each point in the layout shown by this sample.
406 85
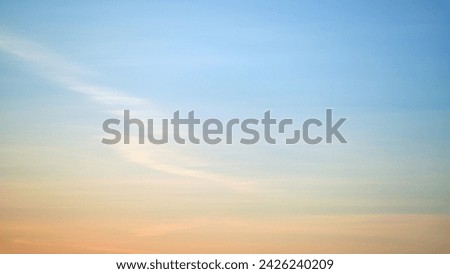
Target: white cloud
57 69
68 76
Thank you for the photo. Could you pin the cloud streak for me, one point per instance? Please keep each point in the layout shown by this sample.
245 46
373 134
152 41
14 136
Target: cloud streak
69 76
59 70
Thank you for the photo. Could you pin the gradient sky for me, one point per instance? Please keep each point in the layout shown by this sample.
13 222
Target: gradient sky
66 67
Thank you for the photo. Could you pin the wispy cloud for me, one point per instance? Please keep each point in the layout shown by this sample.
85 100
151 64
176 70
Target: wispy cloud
57 69
69 76
170 158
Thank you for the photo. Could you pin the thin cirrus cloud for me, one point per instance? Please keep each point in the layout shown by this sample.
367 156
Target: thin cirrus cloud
57 69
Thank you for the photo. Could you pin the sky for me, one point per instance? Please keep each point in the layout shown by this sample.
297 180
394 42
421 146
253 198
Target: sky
67 67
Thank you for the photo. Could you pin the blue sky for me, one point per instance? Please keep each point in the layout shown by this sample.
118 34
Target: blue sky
382 55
